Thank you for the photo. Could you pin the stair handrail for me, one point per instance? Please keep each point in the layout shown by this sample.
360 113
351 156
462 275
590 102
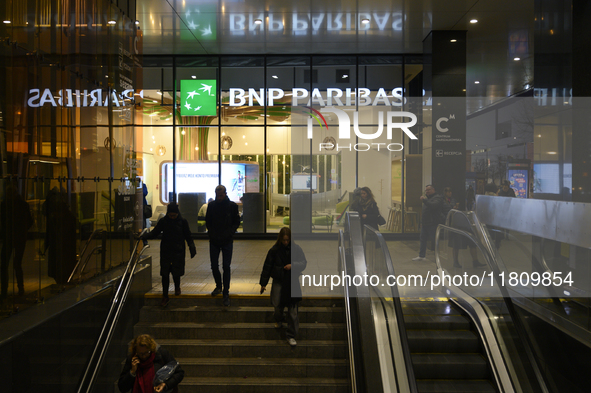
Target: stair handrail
412 382
83 251
488 254
111 320
343 264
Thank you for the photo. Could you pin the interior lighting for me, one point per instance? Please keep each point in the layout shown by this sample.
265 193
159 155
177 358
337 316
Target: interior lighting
552 152
473 21
246 144
193 76
517 58
453 40
258 21
196 147
365 21
112 22
275 77
155 101
345 76
137 22
476 82
243 136
159 92
7 22
183 132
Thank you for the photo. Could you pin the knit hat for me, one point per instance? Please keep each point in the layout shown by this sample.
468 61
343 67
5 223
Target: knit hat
173 208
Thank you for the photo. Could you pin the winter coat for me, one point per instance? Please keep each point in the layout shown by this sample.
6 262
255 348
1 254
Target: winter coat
277 257
163 357
222 220
432 210
371 211
172 247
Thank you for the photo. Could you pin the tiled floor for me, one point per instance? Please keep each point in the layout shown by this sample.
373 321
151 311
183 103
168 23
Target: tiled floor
249 255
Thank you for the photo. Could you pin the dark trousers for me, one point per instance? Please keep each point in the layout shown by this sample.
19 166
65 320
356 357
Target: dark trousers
427 235
214 255
166 283
19 252
293 322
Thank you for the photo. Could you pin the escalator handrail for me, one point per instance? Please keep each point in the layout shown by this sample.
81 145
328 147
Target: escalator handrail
412 382
372 376
342 256
111 320
517 322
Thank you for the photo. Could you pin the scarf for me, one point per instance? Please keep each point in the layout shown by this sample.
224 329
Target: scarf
365 204
144 377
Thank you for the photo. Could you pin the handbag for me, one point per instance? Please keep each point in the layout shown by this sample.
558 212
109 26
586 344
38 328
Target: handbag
381 220
147 211
165 373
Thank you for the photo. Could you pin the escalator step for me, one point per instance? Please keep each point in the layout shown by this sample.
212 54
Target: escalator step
442 341
445 386
450 366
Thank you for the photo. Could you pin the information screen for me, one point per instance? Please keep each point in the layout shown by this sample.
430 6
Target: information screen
302 182
203 177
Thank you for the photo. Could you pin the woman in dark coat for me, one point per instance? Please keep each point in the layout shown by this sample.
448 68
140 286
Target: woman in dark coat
285 262
145 358
175 231
367 208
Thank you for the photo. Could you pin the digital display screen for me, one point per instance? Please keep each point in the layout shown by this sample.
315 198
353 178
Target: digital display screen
194 177
302 182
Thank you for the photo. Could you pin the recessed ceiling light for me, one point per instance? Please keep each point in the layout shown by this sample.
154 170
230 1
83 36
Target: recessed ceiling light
137 22
463 89
473 20
476 82
365 21
345 76
7 22
275 77
453 40
517 58
258 21
112 22
193 76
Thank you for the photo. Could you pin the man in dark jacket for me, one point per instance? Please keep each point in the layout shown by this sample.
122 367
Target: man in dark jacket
175 231
431 217
222 221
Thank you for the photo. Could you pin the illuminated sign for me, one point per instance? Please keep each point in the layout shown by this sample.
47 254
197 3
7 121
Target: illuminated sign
80 98
198 97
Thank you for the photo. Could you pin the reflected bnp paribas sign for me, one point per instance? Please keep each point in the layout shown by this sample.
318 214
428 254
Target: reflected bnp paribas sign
80 98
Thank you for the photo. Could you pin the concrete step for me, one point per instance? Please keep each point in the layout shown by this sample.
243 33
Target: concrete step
315 349
236 314
238 331
265 367
450 366
264 385
153 299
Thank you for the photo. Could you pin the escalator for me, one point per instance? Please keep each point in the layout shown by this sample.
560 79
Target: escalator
447 353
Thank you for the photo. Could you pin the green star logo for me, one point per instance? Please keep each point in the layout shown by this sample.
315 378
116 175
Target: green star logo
199 22
199 97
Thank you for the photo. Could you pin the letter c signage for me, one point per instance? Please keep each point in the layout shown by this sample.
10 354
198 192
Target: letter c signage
438 124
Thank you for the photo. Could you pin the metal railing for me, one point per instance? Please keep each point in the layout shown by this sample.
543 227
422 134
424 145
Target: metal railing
106 334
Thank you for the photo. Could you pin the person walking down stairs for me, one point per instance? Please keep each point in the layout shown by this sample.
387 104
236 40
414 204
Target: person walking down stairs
285 262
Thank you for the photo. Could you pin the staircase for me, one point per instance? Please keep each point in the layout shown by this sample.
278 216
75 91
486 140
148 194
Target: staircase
237 349
446 354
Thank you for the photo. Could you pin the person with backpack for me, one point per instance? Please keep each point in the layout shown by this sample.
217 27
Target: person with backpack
430 218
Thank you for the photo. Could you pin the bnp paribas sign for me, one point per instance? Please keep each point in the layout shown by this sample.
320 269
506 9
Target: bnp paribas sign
198 97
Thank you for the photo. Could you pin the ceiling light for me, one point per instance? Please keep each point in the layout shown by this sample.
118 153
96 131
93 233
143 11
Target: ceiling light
275 77
196 147
552 152
7 22
183 132
243 136
517 59
463 89
476 82
111 22
345 76
453 40
137 22
258 21
193 76
246 143
539 135
158 92
365 21
473 20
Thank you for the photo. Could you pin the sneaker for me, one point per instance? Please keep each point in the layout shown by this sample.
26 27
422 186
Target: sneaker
216 292
419 259
177 292
278 325
292 341
164 302
226 301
